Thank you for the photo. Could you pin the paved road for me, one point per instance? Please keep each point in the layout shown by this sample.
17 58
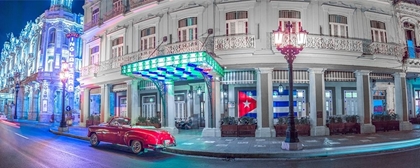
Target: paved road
33 146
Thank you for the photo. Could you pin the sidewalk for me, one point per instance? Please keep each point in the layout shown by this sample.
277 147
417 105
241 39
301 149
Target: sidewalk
270 147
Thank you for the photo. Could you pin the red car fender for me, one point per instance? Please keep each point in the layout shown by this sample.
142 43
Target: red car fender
133 135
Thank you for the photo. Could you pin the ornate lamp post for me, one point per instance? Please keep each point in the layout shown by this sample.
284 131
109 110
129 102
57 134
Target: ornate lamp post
17 87
64 75
290 43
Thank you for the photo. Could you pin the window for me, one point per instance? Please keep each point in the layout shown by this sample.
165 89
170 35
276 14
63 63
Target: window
338 26
291 16
117 47
52 36
237 22
350 102
94 55
147 39
410 36
95 14
187 29
65 39
117 5
378 31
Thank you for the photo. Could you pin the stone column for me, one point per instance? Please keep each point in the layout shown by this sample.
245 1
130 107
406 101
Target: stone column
85 106
105 89
133 110
364 101
32 113
265 103
213 117
401 103
317 102
170 109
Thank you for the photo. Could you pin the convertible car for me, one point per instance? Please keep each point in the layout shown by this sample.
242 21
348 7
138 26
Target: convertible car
140 138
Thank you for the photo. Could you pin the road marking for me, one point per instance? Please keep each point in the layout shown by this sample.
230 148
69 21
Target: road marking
21 136
259 146
242 142
311 141
260 139
365 140
371 137
222 145
186 143
343 139
209 141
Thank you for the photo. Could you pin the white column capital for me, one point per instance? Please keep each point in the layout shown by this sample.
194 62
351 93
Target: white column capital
105 85
264 70
317 70
399 74
131 82
362 72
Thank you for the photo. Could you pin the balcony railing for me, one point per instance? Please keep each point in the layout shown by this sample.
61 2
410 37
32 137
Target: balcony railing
386 49
113 13
137 3
91 24
234 42
183 47
89 70
334 43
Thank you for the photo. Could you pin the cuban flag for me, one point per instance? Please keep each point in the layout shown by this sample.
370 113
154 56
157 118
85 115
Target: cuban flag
247 103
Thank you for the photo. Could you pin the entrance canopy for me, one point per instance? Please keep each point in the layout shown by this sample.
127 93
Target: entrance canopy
175 67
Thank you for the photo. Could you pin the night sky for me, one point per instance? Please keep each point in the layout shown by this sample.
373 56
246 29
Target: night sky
14 14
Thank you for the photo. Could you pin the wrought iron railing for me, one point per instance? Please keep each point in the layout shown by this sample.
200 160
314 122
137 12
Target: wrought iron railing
137 3
113 13
93 23
183 47
334 43
243 41
386 49
89 70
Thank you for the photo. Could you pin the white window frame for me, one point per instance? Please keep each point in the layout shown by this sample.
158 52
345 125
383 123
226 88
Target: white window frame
94 57
236 29
148 41
296 22
184 32
95 16
338 29
117 50
380 36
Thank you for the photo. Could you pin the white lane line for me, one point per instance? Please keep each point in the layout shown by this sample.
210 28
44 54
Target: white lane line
21 136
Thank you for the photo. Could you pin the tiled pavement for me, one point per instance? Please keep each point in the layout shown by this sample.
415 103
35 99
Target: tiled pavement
190 142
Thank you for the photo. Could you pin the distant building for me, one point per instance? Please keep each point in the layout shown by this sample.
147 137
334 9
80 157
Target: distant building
34 58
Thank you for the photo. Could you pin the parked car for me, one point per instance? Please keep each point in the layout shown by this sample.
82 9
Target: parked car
119 131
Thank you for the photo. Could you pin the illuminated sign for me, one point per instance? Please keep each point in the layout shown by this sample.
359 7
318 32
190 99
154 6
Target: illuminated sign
70 61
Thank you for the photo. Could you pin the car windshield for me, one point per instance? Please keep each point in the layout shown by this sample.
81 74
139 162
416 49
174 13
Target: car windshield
120 122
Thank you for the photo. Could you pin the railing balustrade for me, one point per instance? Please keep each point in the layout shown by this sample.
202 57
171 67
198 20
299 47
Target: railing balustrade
234 42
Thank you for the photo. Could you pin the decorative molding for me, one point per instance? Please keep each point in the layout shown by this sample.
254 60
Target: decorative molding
289 5
377 16
338 10
187 12
237 6
117 31
146 23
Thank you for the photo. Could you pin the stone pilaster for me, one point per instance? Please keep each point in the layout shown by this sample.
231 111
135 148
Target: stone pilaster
133 100
317 102
105 89
170 108
265 103
401 103
363 101
213 117
85 106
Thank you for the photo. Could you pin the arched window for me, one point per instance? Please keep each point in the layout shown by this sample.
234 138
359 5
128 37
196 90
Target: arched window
52 36
410 36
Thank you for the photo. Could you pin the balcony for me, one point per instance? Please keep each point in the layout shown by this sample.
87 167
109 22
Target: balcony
91 24
232 42
334 43
386 49
117 62
183 47
113 13
89 70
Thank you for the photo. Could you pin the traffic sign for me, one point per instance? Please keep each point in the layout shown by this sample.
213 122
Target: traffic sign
68 108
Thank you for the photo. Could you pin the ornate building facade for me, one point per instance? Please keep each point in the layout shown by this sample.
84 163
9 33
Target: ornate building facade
214 58
31 63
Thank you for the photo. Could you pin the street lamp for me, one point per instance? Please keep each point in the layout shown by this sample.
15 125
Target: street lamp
64 75
17 87
290 43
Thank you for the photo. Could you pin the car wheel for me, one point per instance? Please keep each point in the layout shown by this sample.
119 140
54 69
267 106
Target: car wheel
94 140
136 147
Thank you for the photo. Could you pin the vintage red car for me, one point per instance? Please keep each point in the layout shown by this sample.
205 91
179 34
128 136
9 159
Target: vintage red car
119 131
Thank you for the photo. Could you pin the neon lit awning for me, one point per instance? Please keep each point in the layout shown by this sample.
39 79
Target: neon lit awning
175 67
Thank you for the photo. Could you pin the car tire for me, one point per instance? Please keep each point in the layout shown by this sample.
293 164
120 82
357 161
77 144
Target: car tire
94 140
136 147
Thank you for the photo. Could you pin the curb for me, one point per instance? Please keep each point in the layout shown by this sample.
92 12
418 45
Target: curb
69 135
312 153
